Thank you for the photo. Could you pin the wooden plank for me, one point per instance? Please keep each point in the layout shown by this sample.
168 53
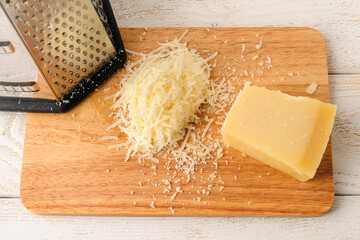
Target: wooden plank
12 128
65 160
336 20
345 92
342 222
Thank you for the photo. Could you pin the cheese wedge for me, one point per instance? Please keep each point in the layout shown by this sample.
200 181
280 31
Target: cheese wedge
285 132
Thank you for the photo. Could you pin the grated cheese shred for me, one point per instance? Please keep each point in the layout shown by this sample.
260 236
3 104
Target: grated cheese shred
160 96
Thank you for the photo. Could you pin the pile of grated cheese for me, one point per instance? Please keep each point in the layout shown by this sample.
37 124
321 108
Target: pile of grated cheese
160 96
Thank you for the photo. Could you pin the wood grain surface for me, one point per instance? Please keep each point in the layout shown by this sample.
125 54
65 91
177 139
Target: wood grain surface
68 169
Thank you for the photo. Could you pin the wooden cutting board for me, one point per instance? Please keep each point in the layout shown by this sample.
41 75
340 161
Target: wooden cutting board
68 168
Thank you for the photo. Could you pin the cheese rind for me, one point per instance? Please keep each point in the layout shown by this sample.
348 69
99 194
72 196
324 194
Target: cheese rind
285 132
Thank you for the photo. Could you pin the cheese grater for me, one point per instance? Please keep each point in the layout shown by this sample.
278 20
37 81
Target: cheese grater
75 45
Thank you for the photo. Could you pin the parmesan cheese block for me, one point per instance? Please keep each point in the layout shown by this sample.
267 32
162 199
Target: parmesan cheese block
285 132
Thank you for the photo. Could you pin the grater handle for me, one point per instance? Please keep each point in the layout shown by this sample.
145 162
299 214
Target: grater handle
6 47
19 86
13 104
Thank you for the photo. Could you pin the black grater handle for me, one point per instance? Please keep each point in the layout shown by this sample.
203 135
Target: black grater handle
15 104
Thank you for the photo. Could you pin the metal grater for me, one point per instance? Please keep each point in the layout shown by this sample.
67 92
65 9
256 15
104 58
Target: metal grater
76 45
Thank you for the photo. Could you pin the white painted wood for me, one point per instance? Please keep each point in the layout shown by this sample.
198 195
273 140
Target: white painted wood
337 20
13 67
342 222
12 128
345 92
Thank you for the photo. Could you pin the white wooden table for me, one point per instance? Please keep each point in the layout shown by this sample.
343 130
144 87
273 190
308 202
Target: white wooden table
338 20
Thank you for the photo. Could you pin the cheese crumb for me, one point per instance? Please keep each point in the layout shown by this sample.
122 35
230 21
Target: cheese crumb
312 88
258 46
